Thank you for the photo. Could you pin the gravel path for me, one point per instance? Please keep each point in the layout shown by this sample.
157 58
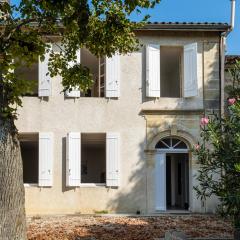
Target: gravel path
126 228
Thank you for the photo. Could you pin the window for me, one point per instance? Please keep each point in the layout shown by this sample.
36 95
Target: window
171 143
37 158
106 75
97 68
92 158
171 71
30 74
93 164
29 151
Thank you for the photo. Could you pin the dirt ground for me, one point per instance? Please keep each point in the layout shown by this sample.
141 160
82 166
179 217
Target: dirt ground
127 228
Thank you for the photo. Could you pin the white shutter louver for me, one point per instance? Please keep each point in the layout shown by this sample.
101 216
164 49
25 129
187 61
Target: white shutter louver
160 178
153 70
74 93
190 70
44 80
112 88
113 160
45 159
73 161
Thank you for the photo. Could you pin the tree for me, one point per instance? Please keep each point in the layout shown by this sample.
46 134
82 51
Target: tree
219 155
102 26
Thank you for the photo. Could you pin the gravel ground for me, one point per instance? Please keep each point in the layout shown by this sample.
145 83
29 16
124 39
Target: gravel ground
126 228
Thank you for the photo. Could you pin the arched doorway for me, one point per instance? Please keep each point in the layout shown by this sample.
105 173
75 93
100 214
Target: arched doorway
172 174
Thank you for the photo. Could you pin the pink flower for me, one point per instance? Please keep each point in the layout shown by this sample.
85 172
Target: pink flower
231 101
204 121
197 147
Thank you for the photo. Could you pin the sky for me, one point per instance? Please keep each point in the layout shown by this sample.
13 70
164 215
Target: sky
196 11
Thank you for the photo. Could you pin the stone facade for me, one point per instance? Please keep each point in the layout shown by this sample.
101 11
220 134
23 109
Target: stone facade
141 122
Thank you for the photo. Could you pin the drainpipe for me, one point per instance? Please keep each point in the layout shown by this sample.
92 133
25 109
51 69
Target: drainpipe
222 54
233 11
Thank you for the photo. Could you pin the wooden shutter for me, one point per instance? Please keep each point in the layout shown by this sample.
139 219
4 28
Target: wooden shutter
44 79
160 183
190 70
73 167
153 70
45 159
113 159
112 88
74 93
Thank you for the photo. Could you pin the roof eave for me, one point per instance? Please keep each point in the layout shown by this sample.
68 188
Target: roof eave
188 27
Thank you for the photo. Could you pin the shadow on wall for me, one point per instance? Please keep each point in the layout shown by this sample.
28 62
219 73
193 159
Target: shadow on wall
132 198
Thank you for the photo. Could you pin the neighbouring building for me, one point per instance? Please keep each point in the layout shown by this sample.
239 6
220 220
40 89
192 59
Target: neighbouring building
125 144
230 61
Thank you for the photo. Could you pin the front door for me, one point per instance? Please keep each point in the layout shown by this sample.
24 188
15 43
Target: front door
171 174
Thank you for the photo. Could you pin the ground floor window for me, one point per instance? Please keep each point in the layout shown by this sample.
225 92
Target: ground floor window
93 162
29 151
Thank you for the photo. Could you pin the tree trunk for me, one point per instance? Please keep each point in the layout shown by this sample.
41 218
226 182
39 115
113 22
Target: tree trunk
12 194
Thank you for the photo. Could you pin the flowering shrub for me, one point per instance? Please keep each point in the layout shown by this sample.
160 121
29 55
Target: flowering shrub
219 157
204 121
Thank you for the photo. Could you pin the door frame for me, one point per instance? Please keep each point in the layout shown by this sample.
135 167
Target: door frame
160 177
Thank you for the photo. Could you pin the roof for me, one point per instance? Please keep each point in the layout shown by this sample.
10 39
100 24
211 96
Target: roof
190 26
231 59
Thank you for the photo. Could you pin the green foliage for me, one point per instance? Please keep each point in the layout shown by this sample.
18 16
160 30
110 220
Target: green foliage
101 212
101 26
234 71
219 155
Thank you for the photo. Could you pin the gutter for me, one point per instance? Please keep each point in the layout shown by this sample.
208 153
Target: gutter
221 27
222 55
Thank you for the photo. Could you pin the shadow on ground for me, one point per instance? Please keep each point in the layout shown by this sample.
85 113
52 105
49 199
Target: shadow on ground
127 228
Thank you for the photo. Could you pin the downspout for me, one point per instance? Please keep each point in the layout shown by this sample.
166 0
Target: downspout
222 55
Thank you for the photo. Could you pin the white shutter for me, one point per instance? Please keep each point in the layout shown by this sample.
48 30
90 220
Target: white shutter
160 184
153 70
113 159
44 80
112 82
74 93
45 159
73 167
190 70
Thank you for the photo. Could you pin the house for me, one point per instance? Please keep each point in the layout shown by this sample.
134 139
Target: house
125 145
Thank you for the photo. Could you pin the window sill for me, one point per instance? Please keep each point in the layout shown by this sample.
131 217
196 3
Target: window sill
173 104
30 185
90 185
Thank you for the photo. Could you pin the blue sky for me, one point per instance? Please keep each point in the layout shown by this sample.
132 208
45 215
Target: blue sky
197 11
200 11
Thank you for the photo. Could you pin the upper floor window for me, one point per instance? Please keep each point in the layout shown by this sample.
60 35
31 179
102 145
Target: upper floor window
105 71
172 71
97 68
31 75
